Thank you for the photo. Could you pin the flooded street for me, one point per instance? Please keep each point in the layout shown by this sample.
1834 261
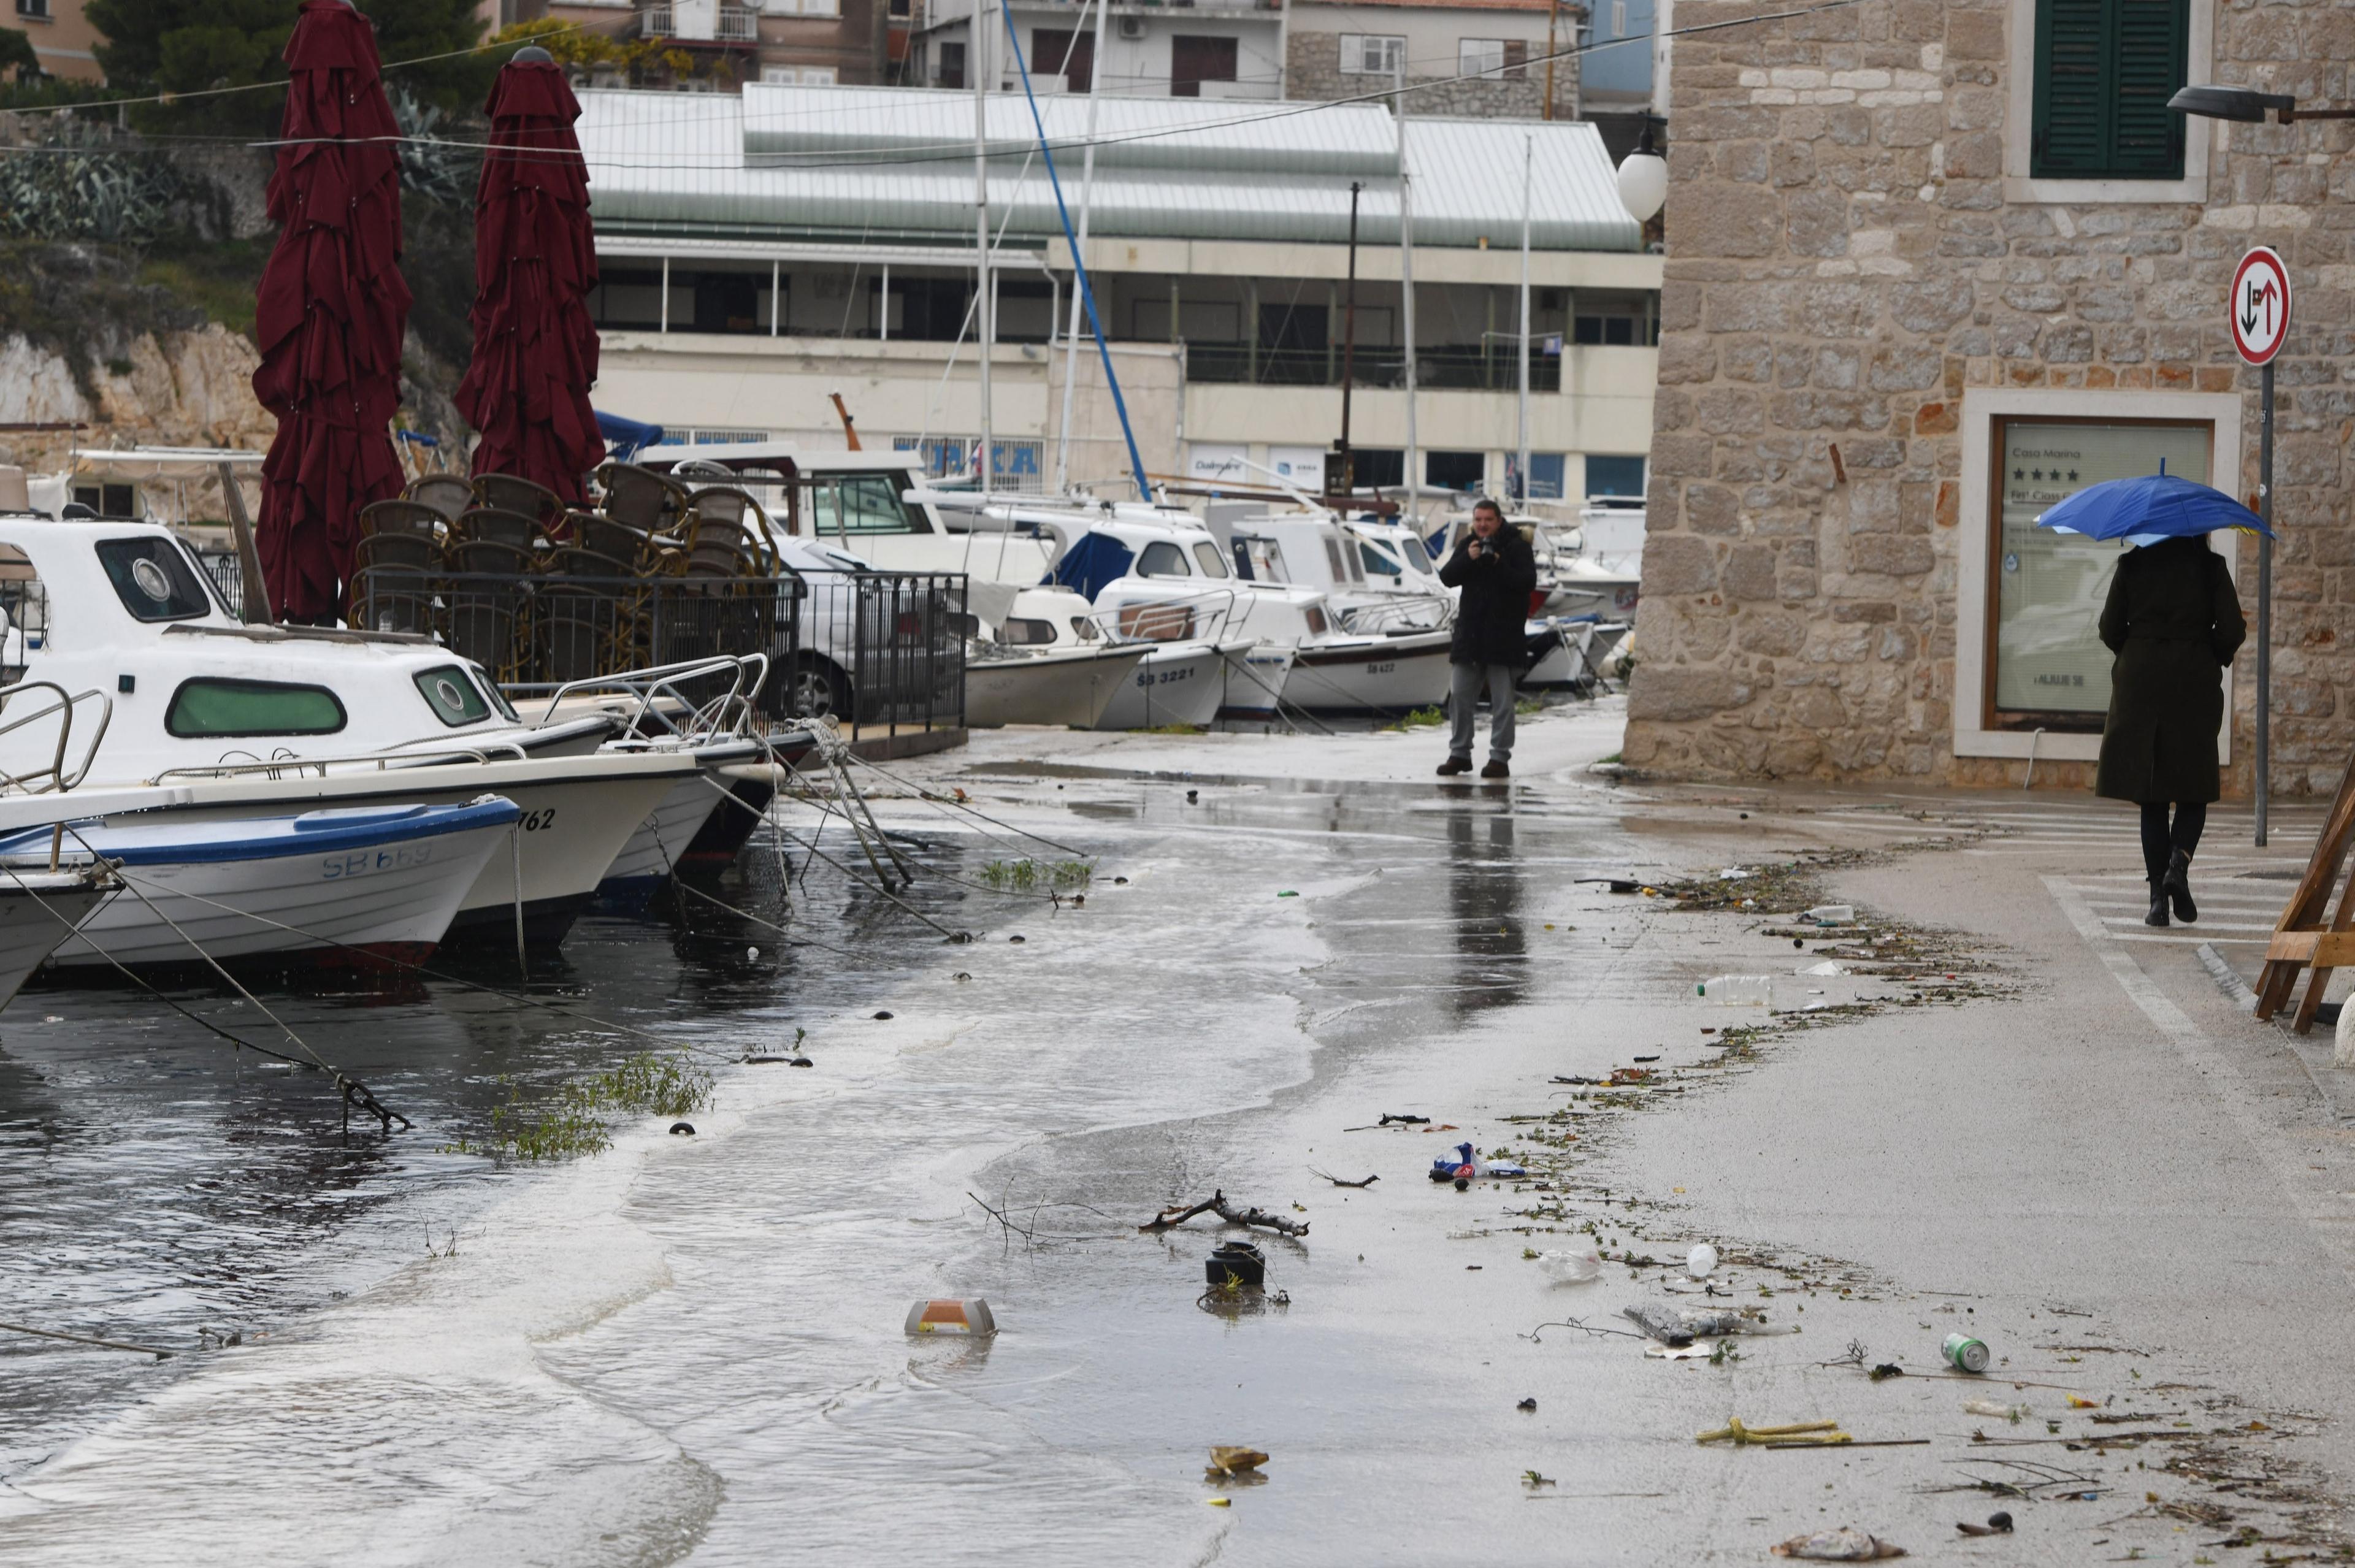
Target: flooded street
691 1349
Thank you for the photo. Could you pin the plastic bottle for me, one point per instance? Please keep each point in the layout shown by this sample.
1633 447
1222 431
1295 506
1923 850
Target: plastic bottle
1831 914
1739 991
1577 1265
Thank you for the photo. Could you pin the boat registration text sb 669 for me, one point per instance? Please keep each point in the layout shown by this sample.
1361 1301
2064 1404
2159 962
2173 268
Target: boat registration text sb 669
362 862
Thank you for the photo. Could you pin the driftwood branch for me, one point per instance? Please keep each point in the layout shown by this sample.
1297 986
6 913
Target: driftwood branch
1179 1213
1338 1182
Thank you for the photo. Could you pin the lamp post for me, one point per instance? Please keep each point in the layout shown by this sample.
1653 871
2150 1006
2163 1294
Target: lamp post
2246 105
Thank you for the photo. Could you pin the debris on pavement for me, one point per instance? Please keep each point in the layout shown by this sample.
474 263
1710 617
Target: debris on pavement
971 1316
1674 1326
1846 1544
1218 1203
1530 1404
1338 1181
1577 1264
1701 1262
1742 1436
1996 1524
1991 1408
1227 1461
1965 1354
1236 1266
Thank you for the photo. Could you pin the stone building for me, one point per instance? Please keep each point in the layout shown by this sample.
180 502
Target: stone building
1932 267
1340 50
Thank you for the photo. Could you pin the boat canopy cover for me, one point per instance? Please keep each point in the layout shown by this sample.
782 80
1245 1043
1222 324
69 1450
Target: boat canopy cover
171 839
1087 566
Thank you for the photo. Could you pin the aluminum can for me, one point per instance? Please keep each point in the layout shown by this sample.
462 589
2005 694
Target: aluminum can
1965 1354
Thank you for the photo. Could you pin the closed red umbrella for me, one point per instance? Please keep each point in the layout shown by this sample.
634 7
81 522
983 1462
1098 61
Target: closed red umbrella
526 390
333 309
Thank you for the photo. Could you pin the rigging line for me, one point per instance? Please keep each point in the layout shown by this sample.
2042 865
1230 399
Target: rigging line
941 152
887 894
485 47
524 998
157 1351
313 1065
925 794
930 869
791 939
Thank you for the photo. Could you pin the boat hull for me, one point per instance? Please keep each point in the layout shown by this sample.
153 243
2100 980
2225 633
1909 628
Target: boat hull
1255 679
37 914
654 850
1390 676
1066 690
1175 683
376 906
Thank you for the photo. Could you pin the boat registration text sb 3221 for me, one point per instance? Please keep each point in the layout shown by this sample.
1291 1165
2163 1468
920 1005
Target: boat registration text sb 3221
1149 677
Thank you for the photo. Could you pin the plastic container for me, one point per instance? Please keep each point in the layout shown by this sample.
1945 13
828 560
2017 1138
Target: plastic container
1831 915
1739 991
1240 1261
971 1316
1701 1262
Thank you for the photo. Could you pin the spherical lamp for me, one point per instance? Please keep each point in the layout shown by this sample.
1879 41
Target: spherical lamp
1644 179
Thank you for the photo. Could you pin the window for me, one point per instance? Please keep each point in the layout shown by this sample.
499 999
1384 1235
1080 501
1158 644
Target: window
1058 51
1194 60
2104 70
208 707
1617 331
1377 467
452 696
1333 558
34 10
1162 559
2049 667
857 503
1618 19
152 579
1372 54
817 75
1022 632
1480 56
1455 469
951 66
108 500
1378 561
1545 475
1615 475
1213 563
780 73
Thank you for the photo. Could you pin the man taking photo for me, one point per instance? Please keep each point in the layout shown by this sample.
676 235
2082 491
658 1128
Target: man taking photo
1495 571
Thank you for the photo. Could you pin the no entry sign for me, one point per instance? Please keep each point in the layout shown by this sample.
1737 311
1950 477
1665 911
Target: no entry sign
2258 306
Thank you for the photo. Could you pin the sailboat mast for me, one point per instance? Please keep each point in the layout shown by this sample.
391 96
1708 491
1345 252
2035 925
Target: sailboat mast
1079 295
983 315
1413 474
1529 155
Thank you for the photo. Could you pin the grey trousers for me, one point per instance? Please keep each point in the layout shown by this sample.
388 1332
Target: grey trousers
1464 698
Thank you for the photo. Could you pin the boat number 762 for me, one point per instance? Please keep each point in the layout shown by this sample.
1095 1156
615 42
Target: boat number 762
533 821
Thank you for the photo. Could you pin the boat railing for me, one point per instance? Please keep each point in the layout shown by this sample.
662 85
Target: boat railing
1403 611
1200 616
57 777
720 714
300 767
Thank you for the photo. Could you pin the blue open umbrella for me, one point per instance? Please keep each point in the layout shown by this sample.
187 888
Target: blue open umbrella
2150 507
627 437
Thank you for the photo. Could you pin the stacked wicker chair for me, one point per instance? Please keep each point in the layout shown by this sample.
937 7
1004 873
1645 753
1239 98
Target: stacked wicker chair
508 576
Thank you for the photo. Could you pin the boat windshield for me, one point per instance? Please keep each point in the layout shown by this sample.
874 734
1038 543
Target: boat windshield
1213 563
152 579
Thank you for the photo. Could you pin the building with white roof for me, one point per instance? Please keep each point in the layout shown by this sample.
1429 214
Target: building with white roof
763 250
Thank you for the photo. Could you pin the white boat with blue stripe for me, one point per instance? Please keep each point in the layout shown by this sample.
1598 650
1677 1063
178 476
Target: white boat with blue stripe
363 888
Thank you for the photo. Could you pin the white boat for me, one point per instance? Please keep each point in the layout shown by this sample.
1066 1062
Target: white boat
1176 683
1071 686
350 887
129 670
39 909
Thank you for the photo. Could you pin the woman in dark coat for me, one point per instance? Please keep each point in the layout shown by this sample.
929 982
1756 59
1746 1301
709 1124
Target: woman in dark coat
2174 622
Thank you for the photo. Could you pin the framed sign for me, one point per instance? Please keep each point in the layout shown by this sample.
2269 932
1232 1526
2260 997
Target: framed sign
2047 667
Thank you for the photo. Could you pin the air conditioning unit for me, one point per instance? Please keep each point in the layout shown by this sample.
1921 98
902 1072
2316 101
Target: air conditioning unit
1132 28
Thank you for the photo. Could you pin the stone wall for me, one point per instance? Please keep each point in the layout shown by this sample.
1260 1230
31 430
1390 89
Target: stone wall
1312 69
1842 265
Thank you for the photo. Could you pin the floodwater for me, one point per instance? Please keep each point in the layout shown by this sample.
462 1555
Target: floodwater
692 1349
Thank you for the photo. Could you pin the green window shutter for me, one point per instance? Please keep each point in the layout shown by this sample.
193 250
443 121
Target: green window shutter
2104 70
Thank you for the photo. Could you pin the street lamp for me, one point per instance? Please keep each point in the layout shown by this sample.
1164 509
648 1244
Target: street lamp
2247 105
1644 179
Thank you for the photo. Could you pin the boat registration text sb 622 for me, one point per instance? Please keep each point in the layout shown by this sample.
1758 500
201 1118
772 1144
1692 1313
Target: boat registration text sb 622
365 862
1385 667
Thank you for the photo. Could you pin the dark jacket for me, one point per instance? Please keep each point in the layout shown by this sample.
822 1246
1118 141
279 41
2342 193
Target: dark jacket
2174 623
1493 613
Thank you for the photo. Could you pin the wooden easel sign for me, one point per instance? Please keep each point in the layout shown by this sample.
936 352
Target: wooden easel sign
2302 938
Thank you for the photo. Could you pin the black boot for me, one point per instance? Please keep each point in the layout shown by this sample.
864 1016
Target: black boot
2157 915
2177 883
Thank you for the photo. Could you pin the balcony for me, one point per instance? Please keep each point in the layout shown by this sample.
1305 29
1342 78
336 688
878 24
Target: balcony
1442 367
693 22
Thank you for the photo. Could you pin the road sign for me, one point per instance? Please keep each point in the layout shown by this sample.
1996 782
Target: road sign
2258 306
